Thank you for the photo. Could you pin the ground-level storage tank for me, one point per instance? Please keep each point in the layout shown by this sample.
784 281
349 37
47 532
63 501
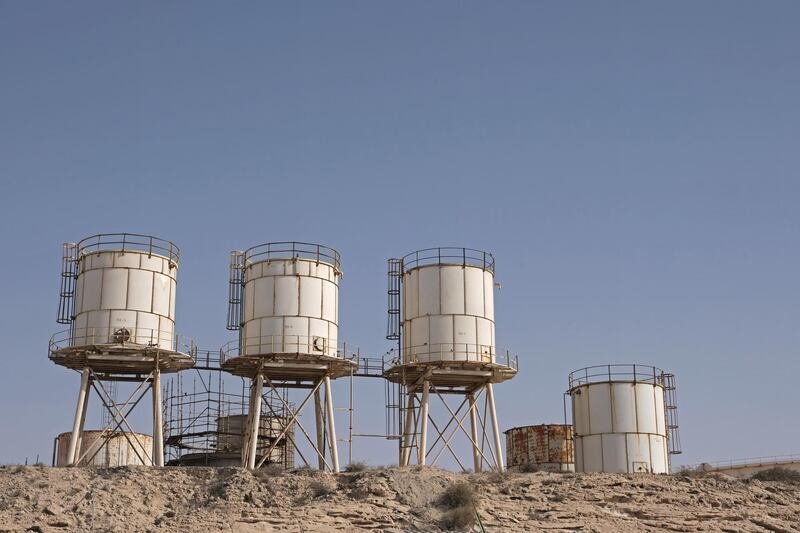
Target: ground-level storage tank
620 419
542 447
106 449
448 305
231 437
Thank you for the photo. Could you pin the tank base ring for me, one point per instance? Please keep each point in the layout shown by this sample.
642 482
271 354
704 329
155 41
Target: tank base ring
121 358
288 366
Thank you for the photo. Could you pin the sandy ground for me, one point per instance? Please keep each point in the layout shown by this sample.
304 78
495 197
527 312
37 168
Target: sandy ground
389 500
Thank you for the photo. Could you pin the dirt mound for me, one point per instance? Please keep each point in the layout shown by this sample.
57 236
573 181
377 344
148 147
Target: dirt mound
390 500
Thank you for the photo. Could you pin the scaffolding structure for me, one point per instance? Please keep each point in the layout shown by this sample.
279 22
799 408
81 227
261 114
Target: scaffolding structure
205 416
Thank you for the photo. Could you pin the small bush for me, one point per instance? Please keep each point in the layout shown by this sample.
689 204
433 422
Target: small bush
691 472
528 468
270 470
777 473
357 466
458 519
319 489
459 494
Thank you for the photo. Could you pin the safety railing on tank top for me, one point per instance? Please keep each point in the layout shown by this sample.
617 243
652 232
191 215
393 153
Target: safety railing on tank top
289 344
616 372
124 336
449 256
480 353
293 250
129 242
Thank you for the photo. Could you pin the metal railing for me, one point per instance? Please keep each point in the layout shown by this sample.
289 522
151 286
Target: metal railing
449 256
121 336
482 353
741 463
129 242
289 344
293 250
623 372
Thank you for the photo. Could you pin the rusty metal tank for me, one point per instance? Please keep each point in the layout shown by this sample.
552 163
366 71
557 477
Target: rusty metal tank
546 447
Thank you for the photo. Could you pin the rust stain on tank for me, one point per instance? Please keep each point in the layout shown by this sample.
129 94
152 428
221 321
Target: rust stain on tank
539 445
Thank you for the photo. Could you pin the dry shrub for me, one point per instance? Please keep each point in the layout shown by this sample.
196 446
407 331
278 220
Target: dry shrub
777 473
691 472
319 489
458 519
528 468
459 494
270 470
460 502
357 466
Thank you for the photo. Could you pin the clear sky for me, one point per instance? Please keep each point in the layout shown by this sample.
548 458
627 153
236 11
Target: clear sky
633 166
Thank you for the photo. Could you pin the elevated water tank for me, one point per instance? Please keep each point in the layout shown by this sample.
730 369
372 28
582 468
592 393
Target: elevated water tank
619 416
543 447
290 302
125 291
448 306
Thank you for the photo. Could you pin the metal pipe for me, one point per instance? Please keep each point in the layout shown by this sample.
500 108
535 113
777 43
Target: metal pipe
79 416
495 428
331 424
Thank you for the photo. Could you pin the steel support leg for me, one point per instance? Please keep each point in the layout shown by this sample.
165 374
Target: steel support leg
256 391
158 425
320 420
473 422
408 431
422 450
495 429
77 429
331 424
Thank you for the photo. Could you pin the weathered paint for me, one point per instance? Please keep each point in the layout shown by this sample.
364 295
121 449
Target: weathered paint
543 447
117 450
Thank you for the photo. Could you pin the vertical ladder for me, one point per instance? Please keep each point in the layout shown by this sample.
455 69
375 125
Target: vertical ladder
69 273
395 271
671 414
235 288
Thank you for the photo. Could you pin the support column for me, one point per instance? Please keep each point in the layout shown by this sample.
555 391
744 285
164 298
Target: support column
86 397
331 424
473 422
256 391
320 429
408 430
77 429
158 425
422 447
495 429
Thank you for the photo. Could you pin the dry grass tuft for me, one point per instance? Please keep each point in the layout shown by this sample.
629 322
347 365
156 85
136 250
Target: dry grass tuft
777 473
356 466
460 502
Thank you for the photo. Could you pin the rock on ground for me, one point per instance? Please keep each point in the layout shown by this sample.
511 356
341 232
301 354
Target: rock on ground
389 500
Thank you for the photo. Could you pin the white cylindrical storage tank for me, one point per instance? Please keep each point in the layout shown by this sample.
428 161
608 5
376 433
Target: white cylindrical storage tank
290 301
125 291
619 419
448 306
112 450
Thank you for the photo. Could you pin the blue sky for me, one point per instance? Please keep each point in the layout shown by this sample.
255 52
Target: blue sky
633 167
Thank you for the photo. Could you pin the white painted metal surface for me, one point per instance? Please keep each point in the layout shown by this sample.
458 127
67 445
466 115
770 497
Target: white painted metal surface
448 313
124 296
290 306
620 427
118 450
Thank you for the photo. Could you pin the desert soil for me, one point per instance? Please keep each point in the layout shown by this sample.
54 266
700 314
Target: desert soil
389 500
